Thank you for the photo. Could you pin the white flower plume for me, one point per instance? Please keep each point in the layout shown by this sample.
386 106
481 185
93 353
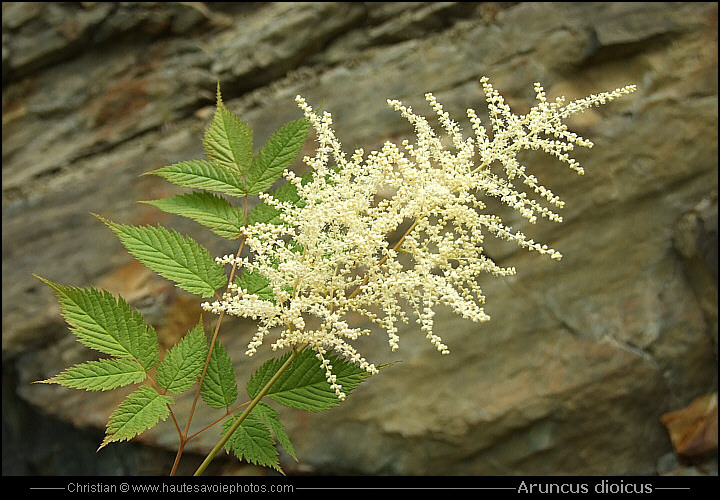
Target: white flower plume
332 257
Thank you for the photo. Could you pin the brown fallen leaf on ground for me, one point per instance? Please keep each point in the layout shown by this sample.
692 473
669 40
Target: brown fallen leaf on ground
694 429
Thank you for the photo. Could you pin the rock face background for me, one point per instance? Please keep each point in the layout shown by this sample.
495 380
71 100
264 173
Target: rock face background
581 357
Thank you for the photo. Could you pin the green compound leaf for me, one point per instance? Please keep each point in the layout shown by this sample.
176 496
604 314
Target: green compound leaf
228 142
212 211
107 325
183 363
272 419
219 389
276 155
101 375
303 385
201 174
140 411
172 255
252 441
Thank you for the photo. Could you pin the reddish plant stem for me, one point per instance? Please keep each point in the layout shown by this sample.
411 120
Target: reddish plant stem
229 413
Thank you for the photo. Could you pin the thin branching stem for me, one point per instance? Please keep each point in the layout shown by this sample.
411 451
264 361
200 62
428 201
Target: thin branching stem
247 410
184 435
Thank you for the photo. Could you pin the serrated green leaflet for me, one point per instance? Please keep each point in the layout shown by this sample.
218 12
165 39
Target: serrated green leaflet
271 215
140 411
101 375
105 324
183 362
272 419
201 174
303 385
252 442
172 255
210 210
219 389
265 213
289 192
228 141
276 155
255 283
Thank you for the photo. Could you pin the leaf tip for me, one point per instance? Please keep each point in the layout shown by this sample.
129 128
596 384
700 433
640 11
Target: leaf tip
218 96
106 441
112 225
150 172
49 283
40 278
100 217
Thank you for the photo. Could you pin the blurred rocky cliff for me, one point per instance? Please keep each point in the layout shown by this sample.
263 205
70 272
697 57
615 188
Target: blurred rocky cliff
581 358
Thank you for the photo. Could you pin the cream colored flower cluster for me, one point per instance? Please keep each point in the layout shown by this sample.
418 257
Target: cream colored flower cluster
334 256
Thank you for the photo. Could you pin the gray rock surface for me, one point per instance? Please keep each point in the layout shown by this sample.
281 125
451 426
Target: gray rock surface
581 357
